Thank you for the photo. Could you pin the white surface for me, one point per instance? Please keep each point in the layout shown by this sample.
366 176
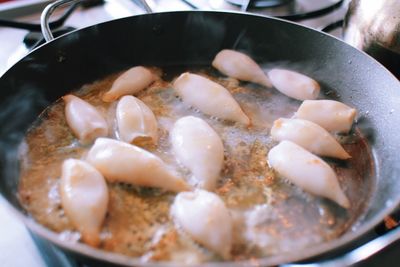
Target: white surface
12 48
16 246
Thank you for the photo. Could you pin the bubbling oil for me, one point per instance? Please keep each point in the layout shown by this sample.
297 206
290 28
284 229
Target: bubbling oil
268 211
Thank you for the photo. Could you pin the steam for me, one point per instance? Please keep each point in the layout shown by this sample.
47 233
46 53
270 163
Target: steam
16 115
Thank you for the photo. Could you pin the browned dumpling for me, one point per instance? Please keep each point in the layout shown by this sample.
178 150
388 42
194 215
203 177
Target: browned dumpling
310 136
205 218
85 121
332 115
198 147
240 66
135 120
209 97
84 197
130 82
307 171
294 84
122 162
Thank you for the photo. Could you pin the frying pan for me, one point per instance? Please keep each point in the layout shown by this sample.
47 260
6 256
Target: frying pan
192 38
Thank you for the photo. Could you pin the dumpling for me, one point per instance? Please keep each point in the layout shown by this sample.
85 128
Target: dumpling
84 198
307 171
198 147
130 82
123 162
135 120
310 136
332 115
85 120
205 218
209 97
294 84
240 66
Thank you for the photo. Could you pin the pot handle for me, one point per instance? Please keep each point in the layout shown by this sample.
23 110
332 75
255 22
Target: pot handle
45 16
359 254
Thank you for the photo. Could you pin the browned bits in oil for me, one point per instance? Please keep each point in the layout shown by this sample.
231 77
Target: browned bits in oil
314 161
269 179
390 222
278 124
258 158
225 187
159 248
254 262
138 222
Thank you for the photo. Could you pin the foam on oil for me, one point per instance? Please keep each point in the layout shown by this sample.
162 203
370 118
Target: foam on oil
268 211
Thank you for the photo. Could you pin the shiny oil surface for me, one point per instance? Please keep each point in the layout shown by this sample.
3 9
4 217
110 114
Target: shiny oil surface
268 212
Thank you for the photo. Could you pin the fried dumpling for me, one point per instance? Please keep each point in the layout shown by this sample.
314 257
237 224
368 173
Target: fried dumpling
198 147
84 198
130 82
85 120
240 66
209 97
294 84
307 171
309 135
135 120
122 162
332 115
205 218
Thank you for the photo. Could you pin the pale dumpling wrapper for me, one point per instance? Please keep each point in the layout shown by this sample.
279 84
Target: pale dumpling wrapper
310 136
130 82
332 115
205 218
122 162
209 97
84 198
135 120
294 84
307 171
240 66
198 147
85 121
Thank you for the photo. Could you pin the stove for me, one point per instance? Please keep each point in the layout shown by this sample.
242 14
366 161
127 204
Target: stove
25 14
17 246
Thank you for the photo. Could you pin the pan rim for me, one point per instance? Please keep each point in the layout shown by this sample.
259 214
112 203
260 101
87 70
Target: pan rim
300 254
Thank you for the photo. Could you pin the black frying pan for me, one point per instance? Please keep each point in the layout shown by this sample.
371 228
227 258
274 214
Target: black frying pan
190 39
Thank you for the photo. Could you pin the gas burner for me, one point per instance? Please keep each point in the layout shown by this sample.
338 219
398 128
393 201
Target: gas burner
34 37
259 3
294 10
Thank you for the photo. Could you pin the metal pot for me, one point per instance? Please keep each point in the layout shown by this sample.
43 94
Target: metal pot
374 27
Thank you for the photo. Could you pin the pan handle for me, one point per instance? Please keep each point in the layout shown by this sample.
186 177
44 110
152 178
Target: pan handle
45 17
359 254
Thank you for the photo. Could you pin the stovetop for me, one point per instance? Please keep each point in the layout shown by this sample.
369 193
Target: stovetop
306 12
17 246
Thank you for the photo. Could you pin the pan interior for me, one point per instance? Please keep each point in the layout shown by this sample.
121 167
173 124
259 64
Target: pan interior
192 38
268 211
